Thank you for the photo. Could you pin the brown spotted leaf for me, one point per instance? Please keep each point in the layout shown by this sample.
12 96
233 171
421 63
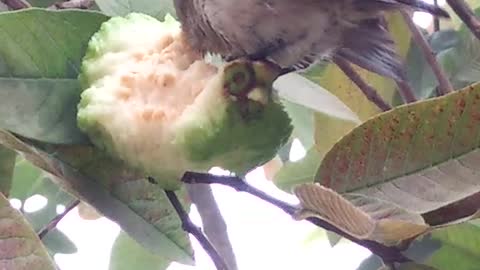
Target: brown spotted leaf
424 157
360 216
20 248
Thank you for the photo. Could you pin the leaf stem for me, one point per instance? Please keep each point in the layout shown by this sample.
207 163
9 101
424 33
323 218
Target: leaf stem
53 223
191 228
444 85
388 254
367 89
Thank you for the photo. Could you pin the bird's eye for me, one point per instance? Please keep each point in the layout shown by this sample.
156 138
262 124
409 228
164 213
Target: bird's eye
239 78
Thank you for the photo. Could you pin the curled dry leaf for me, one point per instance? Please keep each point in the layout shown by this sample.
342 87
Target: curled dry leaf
360 216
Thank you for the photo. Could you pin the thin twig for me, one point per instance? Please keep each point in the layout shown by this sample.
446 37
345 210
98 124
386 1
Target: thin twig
444 84
467 15
388 254
214 225
53 223
367 89
191 228
436 20
16 4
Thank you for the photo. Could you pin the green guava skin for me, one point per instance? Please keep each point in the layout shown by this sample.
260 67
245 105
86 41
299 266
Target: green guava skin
225 126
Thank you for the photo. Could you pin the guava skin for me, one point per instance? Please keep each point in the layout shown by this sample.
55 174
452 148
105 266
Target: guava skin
209 117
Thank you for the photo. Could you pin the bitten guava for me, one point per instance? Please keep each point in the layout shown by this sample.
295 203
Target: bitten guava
151 101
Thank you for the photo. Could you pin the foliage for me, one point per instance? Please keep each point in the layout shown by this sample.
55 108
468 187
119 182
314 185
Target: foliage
407 177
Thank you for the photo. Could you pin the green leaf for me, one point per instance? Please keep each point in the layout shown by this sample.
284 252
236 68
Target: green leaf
141 208
460 248
7 165
128 254
26 178
40 57
154 8
312 96
333 238
422 157
57 242
38 43
42 109
299 172
302 121
21 248
29 180
419 72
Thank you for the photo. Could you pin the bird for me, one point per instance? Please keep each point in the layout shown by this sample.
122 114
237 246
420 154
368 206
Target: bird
298 34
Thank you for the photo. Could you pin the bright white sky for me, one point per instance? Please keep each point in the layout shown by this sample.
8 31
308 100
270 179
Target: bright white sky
263 237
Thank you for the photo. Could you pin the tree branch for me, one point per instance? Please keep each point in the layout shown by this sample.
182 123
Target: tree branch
191 228
388 254
444 84
213 223
367 89
16 4
53 223
466 14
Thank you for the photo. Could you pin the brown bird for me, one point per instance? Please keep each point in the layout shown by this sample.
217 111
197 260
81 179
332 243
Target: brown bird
295 34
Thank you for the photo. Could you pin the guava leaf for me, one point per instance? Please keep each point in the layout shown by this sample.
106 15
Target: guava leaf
422 157
299 90
21 248
419 72
26 178
138 206
360 216
154 8
29 180
42 109
462 62
40 57
460 248
299 172
333 238
302 121
128 254
58 242
7 165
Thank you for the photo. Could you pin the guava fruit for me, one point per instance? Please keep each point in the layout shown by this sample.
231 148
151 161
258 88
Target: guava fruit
153 102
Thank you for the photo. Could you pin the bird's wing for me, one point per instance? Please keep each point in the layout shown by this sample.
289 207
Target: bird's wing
370 46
